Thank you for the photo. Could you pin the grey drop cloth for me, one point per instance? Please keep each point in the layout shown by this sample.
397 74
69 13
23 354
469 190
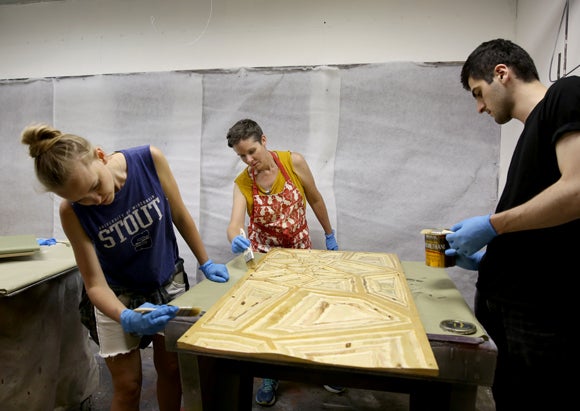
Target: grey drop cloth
45 359
394 147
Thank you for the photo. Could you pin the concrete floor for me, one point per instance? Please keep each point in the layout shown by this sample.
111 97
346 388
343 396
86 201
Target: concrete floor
296 396
291 395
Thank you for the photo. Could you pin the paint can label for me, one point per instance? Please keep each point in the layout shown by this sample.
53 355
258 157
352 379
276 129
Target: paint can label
435 246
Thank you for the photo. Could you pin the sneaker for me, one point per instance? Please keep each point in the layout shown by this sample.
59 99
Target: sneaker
335 389
266 395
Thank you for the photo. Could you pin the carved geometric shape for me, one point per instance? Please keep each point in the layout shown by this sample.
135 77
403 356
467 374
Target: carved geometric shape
335 307
307 313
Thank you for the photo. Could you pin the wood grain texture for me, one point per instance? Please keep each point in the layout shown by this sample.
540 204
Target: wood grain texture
330 307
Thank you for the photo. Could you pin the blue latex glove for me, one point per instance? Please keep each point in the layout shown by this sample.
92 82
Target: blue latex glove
331 243
471 235
46 241
470 262
215 272
149 323
240 244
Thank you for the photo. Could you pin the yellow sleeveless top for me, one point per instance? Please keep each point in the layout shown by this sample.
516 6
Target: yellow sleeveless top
244 181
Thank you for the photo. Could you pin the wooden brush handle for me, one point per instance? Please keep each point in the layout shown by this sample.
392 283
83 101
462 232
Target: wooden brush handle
182 312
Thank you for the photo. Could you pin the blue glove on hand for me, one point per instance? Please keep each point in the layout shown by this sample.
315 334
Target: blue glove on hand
46 241
149 323
331 243
215 272
240 244
471 235
470 262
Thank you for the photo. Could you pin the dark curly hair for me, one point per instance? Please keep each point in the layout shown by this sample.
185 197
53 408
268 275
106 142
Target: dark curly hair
482 61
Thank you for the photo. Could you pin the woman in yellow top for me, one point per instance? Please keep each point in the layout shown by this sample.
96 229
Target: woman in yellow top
273 191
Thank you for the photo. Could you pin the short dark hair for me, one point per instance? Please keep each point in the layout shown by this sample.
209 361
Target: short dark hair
482 61
243 130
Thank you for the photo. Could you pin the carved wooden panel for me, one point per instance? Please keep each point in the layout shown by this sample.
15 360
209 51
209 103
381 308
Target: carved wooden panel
332 307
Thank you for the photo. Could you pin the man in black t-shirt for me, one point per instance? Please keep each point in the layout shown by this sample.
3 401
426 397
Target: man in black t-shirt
526 251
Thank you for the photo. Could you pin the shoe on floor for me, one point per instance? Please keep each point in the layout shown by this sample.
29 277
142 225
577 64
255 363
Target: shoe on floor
335 389
266 395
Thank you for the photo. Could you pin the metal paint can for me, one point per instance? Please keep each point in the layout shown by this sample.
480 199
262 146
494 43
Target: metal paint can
435 246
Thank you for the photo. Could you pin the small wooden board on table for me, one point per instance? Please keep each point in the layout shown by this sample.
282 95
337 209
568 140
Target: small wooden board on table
340 308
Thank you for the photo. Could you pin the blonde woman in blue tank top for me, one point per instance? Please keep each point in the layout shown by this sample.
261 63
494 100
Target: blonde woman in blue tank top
118 211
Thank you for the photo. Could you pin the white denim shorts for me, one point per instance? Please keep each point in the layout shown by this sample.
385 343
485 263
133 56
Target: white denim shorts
113 340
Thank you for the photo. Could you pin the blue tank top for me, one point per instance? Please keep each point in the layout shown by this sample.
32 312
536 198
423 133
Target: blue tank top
133 236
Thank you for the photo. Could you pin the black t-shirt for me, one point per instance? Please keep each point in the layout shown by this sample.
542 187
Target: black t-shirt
527 265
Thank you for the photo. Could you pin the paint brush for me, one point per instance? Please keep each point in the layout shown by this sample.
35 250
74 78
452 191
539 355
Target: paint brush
182 312
248 253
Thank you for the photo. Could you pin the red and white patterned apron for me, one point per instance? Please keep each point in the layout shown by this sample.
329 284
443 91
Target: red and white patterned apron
278 220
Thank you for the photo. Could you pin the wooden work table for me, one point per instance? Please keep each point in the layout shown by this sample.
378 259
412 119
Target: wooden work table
464 361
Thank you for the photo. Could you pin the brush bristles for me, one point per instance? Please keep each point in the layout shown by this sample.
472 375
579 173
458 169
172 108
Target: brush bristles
248 255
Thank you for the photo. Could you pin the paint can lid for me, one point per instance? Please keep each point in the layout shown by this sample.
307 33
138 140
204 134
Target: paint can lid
458 327
436 231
